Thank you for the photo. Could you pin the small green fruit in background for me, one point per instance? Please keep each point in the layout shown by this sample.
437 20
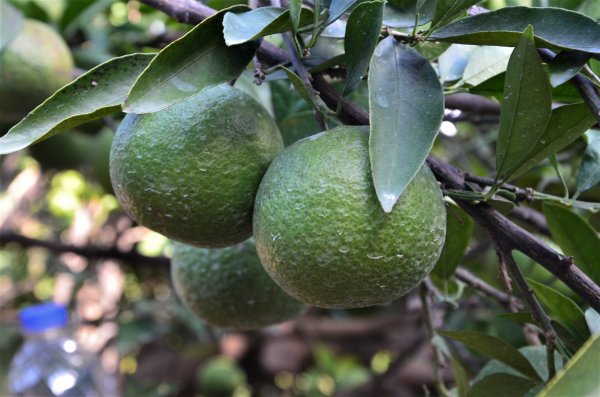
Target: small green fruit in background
322 235
35 64
220 377
228 287
191 171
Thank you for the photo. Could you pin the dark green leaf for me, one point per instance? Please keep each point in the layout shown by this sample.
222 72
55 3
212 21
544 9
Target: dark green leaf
589 171
97 93
295 12
563 310
566 65
460 377
496 348
501 385
554 28
242 27
447 10
593 320
526 107
567 123
362 32
580 375
453 61
520 317
494 87
459 227
402 13
337 8
406 109
80 13
576 237
11 21
197 61
485 63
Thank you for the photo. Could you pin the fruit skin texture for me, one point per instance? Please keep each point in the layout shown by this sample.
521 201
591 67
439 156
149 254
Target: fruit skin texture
228 287
35 64
322 235
191 171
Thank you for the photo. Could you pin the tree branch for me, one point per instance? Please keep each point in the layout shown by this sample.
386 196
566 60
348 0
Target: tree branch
88 251
508 301
496 224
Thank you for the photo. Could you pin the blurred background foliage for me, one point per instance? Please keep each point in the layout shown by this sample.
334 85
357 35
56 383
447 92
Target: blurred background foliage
58 192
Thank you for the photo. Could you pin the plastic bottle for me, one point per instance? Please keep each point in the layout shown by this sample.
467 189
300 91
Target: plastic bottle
51 363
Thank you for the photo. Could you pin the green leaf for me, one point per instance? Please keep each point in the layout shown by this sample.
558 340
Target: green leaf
496 348
242 27
186 67
580 376
565 66
567 123
485 63
93 95
593 320
494 87
337 8
576 237
526 107
520 317
11 21
362 32
554 28
459 227
563 310
402 13
460 377
295 13
501 385
589 171
447 10
406 106
316 101
453 61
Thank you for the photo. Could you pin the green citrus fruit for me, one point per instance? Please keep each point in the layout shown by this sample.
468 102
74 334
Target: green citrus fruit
35 64
191 171
67 150
220 377
229 288
322 235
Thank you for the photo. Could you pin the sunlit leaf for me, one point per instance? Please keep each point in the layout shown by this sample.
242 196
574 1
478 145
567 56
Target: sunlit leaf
553 27
526 107
95 94
579 377
576 237
406 108
242 27
485 63
186 67
495 348
593 320
360 41
11 21
452 62
337 8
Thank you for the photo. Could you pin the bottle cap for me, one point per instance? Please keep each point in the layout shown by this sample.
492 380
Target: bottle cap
39 318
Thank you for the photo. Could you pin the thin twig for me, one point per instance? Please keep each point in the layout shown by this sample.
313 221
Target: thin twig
511 303
538 312
88 251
